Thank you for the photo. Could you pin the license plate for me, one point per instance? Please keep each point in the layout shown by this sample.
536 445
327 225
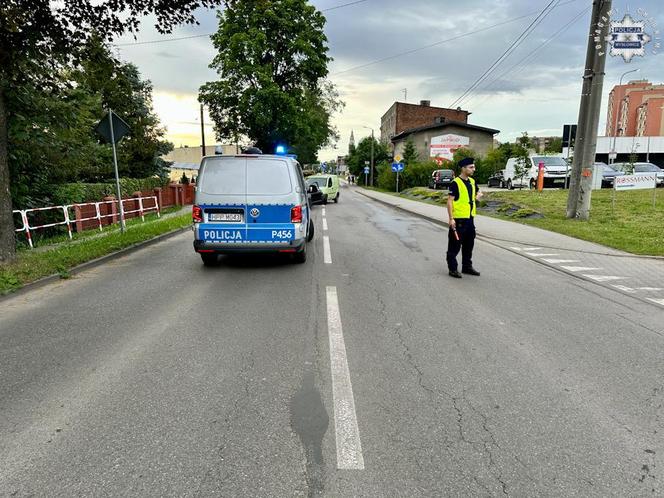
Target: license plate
559 181
227 217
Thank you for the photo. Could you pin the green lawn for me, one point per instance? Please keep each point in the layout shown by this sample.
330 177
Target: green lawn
633 226
31 264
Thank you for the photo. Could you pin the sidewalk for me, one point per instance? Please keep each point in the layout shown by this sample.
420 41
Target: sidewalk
638 276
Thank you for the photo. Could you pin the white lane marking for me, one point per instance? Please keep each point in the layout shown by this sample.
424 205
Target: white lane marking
624 288
558 261
604 278
650 289
325 224
532 248
580 268
658 301
349 446
327 254
516 248
542 255
323 211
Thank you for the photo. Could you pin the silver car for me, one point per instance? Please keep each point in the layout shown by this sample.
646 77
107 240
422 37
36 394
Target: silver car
251 203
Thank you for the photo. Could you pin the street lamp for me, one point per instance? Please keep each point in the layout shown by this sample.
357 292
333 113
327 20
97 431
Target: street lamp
372 154
613 154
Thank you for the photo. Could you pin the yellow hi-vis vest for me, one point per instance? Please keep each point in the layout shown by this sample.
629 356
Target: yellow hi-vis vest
462 206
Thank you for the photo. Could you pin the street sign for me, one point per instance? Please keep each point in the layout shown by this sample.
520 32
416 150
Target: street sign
366 170
396 167
613 154
397 158
323 166
569 136
366 163
120 128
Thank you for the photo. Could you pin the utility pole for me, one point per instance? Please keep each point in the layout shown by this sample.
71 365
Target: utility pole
578 201
372 156
405 94
202 134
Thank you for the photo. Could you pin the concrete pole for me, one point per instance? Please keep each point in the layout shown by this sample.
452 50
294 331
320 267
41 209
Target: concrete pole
117 175
372 157
590 144
591 95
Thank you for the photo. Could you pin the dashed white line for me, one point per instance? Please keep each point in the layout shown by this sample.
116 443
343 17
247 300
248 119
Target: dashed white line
349 446
325 224
323 211
327 254
532 248
657 301
650 289
579 268
603 278
542 255
558 261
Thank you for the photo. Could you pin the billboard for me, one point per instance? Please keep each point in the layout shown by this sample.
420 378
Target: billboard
444 146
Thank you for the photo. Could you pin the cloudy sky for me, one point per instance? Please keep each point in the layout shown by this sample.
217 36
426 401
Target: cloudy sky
436 49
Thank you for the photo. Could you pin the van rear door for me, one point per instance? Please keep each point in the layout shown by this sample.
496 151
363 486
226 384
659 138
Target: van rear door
271 197
221 194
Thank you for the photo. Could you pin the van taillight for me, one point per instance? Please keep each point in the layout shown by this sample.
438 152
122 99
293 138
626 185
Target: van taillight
197 214
296 214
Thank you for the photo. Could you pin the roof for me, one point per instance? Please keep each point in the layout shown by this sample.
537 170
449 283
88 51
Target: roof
435 126
179 165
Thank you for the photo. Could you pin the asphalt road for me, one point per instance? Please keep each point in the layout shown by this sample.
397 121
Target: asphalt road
374 374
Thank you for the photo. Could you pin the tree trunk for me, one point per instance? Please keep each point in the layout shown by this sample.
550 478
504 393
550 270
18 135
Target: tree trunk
7 240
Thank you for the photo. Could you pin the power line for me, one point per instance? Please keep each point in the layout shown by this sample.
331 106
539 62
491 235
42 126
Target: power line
149 42
532 53
540 17
424 47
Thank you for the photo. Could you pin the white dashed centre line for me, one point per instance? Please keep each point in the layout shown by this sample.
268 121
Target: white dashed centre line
579 268
349 446
558 261
327 254
658 301
604 278
325 224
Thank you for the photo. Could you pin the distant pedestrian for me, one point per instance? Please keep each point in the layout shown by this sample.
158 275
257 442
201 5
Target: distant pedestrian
461 208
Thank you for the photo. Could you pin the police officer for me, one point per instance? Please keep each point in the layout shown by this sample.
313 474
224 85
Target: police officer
461 207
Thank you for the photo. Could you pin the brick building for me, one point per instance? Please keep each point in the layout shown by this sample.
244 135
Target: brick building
402 116
635 110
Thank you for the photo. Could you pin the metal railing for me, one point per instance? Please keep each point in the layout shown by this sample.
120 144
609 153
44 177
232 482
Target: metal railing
67 219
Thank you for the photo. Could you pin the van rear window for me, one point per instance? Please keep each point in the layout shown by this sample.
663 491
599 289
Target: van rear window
268 177
224 176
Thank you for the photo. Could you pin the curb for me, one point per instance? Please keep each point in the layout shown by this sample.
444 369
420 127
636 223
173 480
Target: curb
36 284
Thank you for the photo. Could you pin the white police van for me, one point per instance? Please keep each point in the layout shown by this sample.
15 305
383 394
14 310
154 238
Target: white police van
251 203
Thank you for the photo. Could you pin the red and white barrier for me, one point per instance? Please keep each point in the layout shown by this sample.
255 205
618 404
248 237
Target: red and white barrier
27 227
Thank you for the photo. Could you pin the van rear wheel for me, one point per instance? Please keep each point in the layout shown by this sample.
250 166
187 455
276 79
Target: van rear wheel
336 199
310 235
210 258
301 256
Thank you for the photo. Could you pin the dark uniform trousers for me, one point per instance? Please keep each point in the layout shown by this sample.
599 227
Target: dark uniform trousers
465 228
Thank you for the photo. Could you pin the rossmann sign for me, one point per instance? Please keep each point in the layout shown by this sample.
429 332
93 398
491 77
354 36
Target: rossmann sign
635 182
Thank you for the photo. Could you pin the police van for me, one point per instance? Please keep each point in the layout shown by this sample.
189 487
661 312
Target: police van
251 203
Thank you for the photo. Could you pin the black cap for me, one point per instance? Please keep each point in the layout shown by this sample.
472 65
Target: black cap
466 161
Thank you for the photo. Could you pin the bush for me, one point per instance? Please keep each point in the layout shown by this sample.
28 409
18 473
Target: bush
72 193
416 174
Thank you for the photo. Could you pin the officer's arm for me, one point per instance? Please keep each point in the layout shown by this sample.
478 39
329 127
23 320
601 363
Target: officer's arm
450 210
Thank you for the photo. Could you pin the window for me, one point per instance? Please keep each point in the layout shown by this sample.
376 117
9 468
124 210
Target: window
268 177
224 176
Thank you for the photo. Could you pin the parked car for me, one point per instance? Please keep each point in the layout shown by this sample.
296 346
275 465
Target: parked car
608 174
329 185
642 168
556 170
441 178
314 192
497 179
251 203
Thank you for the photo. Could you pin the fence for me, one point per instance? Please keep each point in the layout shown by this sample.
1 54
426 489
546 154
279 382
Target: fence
140 205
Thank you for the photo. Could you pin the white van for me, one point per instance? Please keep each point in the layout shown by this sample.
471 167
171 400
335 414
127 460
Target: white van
556 170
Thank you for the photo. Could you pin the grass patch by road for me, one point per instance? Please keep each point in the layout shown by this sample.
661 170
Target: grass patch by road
31 265
633 226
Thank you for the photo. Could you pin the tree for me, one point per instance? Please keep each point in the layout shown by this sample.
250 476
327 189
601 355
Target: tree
410 154
43 34
555 146
272 61
120 87
361 156
520 152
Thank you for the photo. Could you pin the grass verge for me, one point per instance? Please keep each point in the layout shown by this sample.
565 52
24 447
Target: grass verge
31 265
634 225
